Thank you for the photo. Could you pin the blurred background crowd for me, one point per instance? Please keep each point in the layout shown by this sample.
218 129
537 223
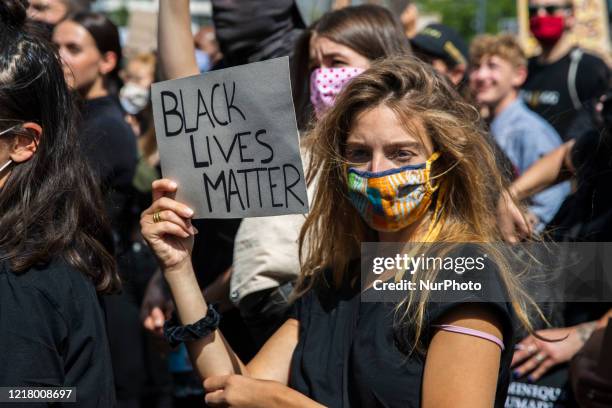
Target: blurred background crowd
538 72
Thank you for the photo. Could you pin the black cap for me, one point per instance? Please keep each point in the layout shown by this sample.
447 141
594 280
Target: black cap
442 42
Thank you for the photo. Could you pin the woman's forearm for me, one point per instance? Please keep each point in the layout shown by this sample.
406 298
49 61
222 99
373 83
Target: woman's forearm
210 355
175 41
291 398
543 173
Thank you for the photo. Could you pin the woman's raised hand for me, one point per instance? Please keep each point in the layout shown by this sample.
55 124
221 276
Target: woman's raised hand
166 226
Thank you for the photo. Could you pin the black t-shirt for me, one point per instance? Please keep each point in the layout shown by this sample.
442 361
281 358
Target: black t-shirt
110 148
53 334
547 91
108 142
348 353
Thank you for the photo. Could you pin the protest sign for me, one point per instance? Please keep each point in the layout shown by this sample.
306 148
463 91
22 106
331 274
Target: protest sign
229 139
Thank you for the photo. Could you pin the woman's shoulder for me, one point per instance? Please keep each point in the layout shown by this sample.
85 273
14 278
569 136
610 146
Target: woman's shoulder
58 283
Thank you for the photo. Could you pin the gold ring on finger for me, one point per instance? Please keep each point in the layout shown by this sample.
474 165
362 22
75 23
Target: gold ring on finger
157 217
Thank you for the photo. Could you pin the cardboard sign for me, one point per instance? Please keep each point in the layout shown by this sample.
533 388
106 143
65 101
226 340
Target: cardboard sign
229 139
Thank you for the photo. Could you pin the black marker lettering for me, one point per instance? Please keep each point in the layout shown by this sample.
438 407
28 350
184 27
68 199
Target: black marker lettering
241 146
233 191
246 185
271 157
229 153
212 105
197 164
202 102
208 148
215 186
187 130
289 186
171 112
259 187
230 104
270 170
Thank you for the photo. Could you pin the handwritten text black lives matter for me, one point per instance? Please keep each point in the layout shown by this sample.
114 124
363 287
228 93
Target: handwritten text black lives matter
212 136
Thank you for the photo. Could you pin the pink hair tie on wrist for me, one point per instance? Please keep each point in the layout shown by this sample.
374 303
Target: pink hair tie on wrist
471 332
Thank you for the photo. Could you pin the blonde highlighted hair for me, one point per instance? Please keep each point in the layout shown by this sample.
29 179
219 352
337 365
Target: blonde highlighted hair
504 46
333 232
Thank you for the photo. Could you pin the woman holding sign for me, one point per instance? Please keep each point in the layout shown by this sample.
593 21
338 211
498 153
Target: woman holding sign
343 41
403 131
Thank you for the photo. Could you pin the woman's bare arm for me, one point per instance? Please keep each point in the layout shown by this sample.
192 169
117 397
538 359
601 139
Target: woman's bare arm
172 241
544 173
213 355
461 371
273 361
175 41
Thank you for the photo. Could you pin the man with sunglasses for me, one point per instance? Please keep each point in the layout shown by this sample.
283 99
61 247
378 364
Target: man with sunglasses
563 79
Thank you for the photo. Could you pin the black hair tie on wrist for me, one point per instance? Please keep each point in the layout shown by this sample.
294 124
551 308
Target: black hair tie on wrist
177 334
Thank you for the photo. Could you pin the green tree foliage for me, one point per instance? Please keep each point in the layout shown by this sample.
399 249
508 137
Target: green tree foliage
462 14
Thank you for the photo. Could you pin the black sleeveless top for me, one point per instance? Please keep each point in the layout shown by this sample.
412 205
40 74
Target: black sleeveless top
349 353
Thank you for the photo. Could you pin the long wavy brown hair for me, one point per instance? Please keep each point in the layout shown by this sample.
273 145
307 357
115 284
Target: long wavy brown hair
467 168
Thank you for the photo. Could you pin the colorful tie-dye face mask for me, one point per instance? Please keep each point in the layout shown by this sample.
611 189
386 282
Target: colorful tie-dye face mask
393 199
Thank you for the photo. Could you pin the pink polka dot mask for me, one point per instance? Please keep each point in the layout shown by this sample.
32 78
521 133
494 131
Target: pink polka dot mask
326 84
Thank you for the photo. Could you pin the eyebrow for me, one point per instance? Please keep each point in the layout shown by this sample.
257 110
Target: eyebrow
414 145
333 54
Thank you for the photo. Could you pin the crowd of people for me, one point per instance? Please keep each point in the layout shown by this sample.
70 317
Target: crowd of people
108 285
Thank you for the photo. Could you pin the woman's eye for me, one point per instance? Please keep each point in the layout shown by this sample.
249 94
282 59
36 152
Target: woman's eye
403 155
338 63
357 155
73 49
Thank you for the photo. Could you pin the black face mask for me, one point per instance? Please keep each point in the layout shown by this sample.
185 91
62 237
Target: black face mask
256 30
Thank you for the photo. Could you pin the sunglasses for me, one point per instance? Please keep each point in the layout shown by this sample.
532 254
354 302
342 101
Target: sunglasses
550 10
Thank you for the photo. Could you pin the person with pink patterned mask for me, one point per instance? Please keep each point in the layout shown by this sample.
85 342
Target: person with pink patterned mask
337 48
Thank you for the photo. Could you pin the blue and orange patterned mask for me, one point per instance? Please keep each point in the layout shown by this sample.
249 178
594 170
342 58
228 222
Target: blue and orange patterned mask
393 199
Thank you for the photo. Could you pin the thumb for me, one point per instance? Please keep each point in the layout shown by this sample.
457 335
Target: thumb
158 317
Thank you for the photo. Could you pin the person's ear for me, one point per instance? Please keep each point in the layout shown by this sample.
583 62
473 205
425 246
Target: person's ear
108 62
457 73
520 75
24 146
